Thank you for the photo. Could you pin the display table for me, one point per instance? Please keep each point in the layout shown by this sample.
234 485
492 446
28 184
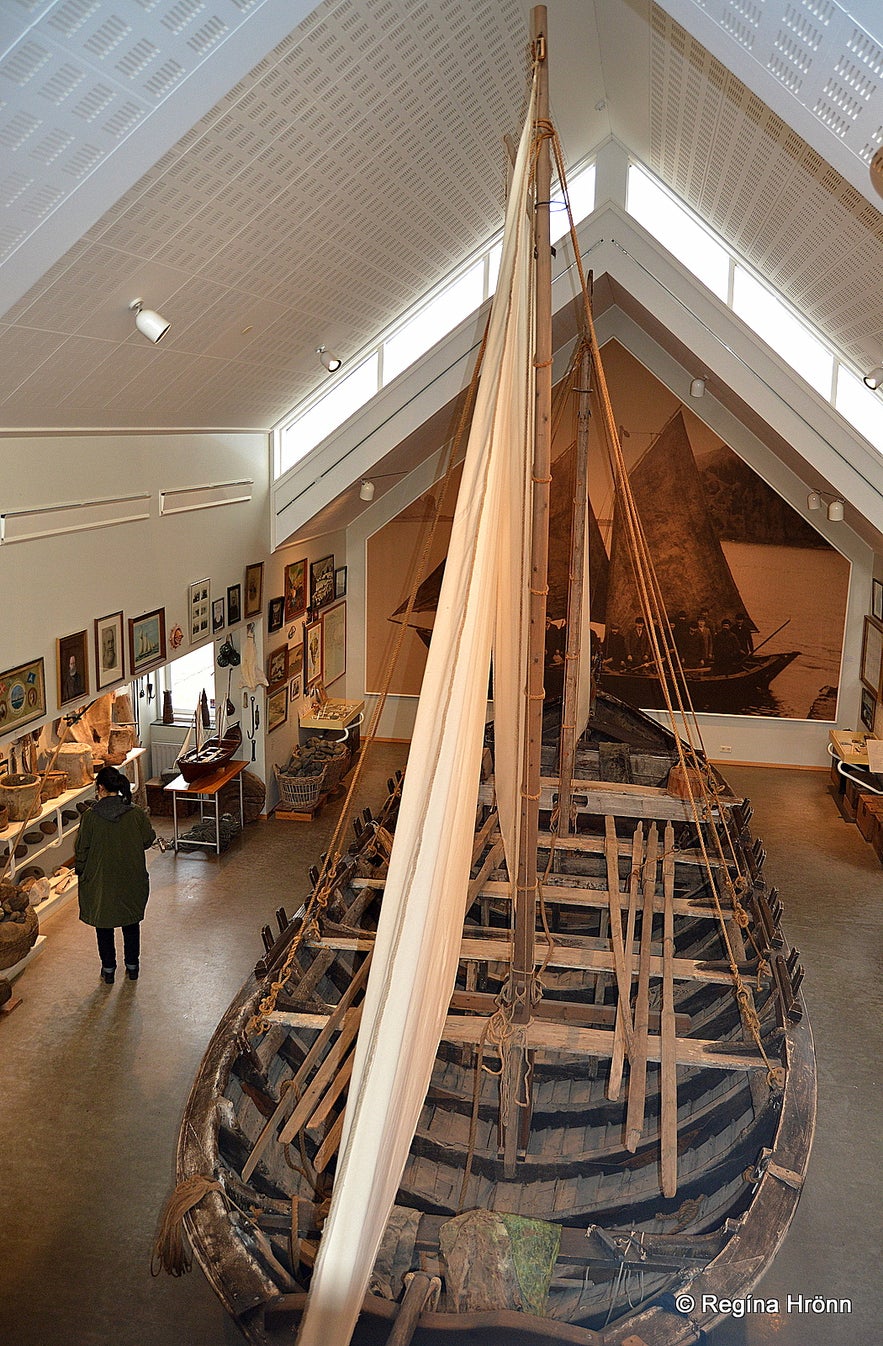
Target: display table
336 719
850 746
205 792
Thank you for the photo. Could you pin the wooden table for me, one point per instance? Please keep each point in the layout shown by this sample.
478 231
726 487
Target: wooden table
205 790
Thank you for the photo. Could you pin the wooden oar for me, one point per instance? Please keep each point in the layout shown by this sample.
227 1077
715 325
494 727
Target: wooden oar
634 1122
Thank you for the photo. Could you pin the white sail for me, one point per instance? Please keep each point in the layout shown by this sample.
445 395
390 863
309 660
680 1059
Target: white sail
418 939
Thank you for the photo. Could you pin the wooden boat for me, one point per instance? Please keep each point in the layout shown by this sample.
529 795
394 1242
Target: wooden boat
208 755
529 1063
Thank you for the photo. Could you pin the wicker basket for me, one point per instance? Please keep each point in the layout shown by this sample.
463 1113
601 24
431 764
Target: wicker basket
300 792
336 767
16 939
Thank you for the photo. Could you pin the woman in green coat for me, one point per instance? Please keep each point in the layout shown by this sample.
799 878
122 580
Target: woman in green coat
109 859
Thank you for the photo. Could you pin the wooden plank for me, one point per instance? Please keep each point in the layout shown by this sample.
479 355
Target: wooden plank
337 1054
668 1062
488 866
590 845
319 1118
330 1145
590 1014
289 1096
597 898
634 1121
623 980
623 1028
576 954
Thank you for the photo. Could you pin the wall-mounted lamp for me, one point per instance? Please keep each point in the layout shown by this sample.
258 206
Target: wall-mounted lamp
875 379
835 505
366 490
697 388
327 360
149 324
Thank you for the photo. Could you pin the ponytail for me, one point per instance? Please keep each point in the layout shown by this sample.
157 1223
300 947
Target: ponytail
115 783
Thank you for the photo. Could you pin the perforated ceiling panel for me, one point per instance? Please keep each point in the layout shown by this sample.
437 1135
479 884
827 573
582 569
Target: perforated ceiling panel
762 187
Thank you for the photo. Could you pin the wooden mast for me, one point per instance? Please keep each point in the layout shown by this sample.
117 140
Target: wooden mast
577 592
525 896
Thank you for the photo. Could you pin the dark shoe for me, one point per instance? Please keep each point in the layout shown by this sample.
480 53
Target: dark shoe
107 975
132 971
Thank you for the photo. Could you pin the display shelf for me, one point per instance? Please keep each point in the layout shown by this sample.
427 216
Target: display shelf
64 828
55 901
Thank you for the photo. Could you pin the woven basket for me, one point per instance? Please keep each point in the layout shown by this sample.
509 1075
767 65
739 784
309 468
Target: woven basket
336 767
300 792
21 795
16 939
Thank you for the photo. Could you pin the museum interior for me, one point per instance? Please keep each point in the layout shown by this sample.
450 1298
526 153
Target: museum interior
248 260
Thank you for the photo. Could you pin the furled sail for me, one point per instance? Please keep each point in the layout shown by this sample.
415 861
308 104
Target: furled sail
691 568
418 938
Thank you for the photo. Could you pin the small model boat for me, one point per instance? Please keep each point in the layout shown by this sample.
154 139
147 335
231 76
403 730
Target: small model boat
209 755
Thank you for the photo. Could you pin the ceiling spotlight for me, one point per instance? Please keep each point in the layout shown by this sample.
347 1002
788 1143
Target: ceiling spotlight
697 388
366 490
149 324
329 361
816 499
813 500
835 511
875 378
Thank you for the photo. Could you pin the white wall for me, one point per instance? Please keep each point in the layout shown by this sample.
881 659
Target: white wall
55 586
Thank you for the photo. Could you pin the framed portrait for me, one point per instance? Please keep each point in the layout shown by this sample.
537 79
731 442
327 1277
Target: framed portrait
254 589
295 686
877 599
277 666
22 695
296 672
72 664
872 655
277 708
333 643
322 582
275 613
340 582
312 653
147 641
109 656
218 622
200 610
868 710
295 589
234 604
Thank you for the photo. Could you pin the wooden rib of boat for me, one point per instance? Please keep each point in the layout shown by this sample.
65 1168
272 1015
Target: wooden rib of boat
618 1103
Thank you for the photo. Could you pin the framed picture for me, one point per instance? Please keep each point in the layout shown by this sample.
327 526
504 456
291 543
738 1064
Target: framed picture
872 655
294 688
147 641
868 710
296 671
322 582
234 604
340 582
295 589
72 663
200 610
312 653
218 622
877 599
22 695
333 643
254 589
277 708
277 666
109 656
275 613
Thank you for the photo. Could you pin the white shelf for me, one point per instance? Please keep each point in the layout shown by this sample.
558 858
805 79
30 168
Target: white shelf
53 809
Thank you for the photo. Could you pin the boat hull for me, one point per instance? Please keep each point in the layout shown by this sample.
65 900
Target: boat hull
708 690
213 755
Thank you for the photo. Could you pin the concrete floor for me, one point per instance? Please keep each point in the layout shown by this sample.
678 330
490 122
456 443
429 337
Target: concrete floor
94 1080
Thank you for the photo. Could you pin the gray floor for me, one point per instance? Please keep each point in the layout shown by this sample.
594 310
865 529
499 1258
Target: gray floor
94 1079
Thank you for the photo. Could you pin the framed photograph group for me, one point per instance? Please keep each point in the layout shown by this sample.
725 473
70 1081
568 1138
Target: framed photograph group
147 641
872 656
109 656
22 695
200 610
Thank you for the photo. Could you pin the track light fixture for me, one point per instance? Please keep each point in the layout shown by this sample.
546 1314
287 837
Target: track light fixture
875 379
366 490
327 360
697 388
815 500
149 324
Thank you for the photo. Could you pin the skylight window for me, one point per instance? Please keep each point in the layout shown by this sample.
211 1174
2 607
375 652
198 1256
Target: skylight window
861 407
676 229
349 393
774 322
581 189
439 317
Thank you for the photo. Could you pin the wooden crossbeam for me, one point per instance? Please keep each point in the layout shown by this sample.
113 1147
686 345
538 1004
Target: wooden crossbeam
634 1121
593 845
668 1069
615 798
623 979
336 1056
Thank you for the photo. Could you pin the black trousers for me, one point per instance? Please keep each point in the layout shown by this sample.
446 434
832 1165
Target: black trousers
107 947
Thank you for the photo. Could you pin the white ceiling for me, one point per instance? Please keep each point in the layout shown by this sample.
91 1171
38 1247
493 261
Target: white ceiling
273 177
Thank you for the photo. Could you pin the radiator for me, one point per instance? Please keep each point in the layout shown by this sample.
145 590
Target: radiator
163 757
